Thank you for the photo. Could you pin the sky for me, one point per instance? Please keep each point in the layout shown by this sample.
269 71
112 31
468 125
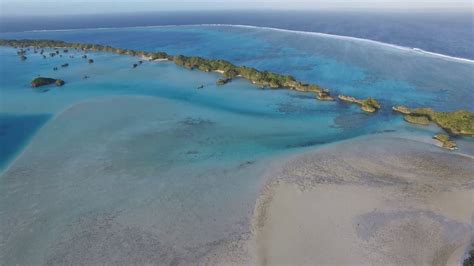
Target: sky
55 7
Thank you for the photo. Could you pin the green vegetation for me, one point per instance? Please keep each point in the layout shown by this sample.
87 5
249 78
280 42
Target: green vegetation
369 105
420 120
456 123
460 122
264 79
42 81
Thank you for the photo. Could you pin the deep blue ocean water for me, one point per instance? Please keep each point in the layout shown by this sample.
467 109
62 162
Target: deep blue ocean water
183 161
440 32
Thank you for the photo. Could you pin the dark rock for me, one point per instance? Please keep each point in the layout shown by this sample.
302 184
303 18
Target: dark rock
42 81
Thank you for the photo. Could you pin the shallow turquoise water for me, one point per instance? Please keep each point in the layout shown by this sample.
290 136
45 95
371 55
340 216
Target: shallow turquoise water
392 75
195 158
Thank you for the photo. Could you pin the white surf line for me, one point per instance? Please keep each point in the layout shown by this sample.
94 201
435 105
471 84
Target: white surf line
334 36
343 37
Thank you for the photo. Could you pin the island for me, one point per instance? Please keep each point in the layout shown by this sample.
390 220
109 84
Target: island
42 81
459 122
369 105
263 79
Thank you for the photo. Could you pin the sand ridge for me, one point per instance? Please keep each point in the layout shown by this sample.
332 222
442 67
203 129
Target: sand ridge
379 200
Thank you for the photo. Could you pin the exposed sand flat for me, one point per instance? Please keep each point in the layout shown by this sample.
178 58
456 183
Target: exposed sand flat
368 201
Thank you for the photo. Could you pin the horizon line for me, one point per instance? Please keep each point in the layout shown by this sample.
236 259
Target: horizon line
308 10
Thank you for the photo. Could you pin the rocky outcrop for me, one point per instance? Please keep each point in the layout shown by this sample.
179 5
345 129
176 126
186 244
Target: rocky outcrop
223 81
445 141
324 96
369 105
59 82
42 81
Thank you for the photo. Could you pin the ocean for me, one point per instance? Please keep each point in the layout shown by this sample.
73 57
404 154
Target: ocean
144 150
449 33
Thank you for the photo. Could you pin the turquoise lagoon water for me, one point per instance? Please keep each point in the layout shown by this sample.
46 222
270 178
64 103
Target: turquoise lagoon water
183 162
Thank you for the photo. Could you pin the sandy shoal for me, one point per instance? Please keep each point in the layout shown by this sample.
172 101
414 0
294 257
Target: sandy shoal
368 201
